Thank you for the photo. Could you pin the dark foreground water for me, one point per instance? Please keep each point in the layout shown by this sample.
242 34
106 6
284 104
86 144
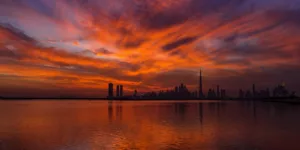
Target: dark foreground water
152 125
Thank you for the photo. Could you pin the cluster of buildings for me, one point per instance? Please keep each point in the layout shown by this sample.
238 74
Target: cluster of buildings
178 92
183 93
279 91
119 91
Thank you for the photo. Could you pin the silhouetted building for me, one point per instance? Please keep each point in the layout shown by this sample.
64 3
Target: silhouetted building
121 90
241 94
176 89
211 94
263 94
135 93
253 91
110 90
218 91
200 86
181 88
268 92
280 91
214 93
223 94
118 91
195 94
248 94
179 92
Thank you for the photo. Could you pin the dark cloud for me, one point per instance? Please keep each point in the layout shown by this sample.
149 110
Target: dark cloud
103 51
236 61
112 72
88 53
286 16
161 20
263 29
204 7
41 7
245 55
130 66
176 44
129 39
179 53
261 52
16 34
135 43
9 54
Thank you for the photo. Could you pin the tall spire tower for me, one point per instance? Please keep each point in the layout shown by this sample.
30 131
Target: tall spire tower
200 85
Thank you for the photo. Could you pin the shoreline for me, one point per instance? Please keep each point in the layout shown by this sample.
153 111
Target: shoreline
277 100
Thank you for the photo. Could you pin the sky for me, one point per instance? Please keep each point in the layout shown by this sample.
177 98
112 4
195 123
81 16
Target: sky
74 48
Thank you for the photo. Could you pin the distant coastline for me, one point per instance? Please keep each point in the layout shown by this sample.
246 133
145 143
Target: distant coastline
291 100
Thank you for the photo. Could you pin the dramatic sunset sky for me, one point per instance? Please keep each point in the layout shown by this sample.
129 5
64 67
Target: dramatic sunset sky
76 47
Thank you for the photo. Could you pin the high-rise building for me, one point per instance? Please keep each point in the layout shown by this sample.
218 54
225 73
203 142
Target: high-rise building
253 90
135 93
200 85
210 94
218 91
181 87
121 90
118 91
248 94
241 94
110 90
176 89
223 93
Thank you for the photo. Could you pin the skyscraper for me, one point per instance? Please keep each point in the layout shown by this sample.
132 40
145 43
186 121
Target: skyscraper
121 90
176 89
200 85
223 93
181 87
110 90
253 90
118 91
135 93
218 91
241 94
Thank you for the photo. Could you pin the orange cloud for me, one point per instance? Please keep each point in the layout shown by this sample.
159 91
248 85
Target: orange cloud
135 43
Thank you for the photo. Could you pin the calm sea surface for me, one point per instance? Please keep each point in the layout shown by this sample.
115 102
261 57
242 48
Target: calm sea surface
151 125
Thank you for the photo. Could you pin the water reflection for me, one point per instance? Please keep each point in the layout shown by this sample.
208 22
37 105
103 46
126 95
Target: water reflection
119 111
110 111
180 109
254 110
148 125
200 110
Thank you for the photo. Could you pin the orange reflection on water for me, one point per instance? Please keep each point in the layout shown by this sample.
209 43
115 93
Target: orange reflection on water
147 125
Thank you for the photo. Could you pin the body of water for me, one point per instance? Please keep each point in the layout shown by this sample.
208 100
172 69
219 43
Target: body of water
148 125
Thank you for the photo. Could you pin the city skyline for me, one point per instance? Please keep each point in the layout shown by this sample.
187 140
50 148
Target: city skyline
74 48
181 92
